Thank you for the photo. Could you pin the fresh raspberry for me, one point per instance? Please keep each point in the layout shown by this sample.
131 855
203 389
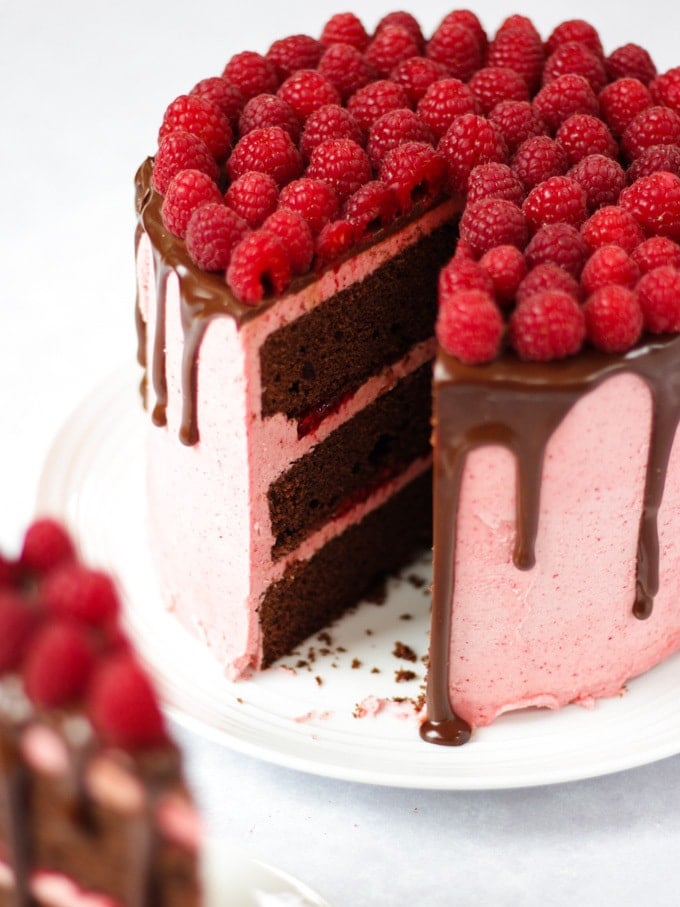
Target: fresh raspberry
517 22
470 21
582 135
267 150
416 75
546 326
293 231
293 53
213 232
259 265
404 20
268 110
470 326
251 73
373 205
253 197
457 48
345 28
58 664
658 293
18 623
494 181
391 45
654 159
373 100
493 222
414 171
573 58
122 705
329 122
188 190
10 573
191 113
665 89
537 159
314 199
613 319
630 61
558 244
547 277
494 84
521 49
443 102
621 101
80 593
342 163
655 252
307 90
334 241
46 544
653 126
612 224
558 199
392 129
517 121
463 273
470 140
654 202
463 252
181 151
575 30
228 97
563 97
506 266
609 265
601 178
346 69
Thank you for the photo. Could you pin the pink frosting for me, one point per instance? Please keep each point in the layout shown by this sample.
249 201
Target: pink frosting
44 750
52 889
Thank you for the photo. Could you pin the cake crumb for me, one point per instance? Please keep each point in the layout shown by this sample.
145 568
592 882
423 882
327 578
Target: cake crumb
401 650
369 632
375 670
325 637
319 680
405 617
416 581
402 675
356 663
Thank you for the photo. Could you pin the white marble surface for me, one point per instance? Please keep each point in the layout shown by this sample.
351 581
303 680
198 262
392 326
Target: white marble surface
82 90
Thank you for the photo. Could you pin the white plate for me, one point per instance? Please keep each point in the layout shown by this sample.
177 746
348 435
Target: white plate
303 717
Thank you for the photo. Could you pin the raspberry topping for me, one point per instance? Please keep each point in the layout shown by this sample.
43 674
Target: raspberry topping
267 150
373 100
653 126
293 53
392 45
58 664
630 61
609 265
602 179
654 202
253 197
456 48
665 89
548 325
342 163
573 58
583 134
658 293
82 594
293 231
416 75
46 545
334 241
314 199
392 129
558 244
252 73
517 121
443 101
188 190
181 151
563 97
307 90
17 624
194 114
345 28
470 140
612 224
414 170
228 97
213 232
494 84
268 110
506 266
519 47
653 159
346 69
329 122
537 159
547 277
259 266
493 222
373 205
404 20
463 273
558 199
470 326
655 252
613 319
621 101
494 181
575 30
468 20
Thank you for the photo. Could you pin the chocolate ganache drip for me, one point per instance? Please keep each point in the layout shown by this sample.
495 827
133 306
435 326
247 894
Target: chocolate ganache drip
519 405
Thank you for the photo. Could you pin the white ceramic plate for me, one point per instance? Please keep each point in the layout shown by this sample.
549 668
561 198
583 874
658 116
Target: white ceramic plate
302 712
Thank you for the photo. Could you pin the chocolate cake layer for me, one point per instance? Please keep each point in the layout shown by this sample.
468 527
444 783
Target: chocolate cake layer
371 448
314 593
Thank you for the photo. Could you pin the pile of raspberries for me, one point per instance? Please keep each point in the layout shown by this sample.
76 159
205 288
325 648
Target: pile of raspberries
569 162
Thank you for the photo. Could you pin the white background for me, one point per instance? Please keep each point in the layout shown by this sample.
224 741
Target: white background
83 87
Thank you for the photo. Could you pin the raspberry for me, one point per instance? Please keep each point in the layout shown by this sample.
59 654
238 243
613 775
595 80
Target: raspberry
612 224
521 49
558 244
373 205
654 159
575 30
229 98
443 102
583 134
268 110
404 20
470 140
373 100
259 265
573 58
621 101
181 151
58 664
547 277
506 267
517 121
493 222
393 128
329 122
251 73
345 28
655 252
494 84
307 90
253 197
314 199
457 48
334 241
267 150
609 265
517 23
188 190
293 53
658 293
346 69
292 229
468 20
191 113
462 273
122 705
613 319
17 625
391 45
470 326
416 75
46 545
630 61
558 199
601 178
342 163
494 181
546 326
563 97
665 89
213 232
537 159
82 594
653 126
654 202
414 171
10 574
